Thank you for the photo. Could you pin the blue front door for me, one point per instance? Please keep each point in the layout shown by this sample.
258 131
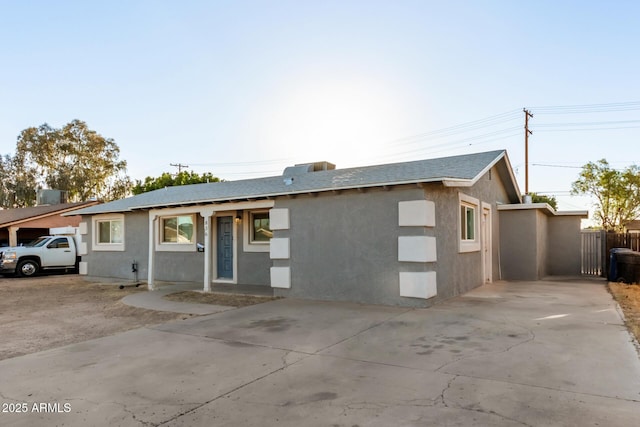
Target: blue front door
225 247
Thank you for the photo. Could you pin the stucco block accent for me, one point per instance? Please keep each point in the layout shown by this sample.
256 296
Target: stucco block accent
279 219
418 285
279 248
417 213
83 268
82 248
280 277
83 228
417 249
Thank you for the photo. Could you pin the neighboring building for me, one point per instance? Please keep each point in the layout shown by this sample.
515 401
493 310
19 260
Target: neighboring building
402 234
632 226
22 225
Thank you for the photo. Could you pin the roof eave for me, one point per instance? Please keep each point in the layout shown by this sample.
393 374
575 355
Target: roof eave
270 195
544 207
70 211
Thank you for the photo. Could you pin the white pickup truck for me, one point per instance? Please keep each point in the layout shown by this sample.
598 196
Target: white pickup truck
47 252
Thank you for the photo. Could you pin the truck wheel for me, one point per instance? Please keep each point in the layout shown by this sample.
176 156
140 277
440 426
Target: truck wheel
27 268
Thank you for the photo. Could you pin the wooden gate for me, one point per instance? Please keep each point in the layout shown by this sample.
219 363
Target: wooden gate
592 253
596 246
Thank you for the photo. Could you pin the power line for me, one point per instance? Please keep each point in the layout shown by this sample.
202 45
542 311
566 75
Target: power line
248 163
588 108
446 141
457 129
557 166
587 129
609 122
180 166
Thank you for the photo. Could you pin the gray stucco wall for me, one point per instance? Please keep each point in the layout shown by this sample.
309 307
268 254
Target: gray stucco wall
117 264
535 244
253 268
462 272
564 255
345 246
542 244
519 244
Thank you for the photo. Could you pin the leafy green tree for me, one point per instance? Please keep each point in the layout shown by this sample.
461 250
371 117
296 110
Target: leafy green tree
169 180
541 198
75 159
617 193
18 183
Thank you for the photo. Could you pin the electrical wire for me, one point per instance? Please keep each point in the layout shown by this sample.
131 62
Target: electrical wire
587 108
422 143
556 166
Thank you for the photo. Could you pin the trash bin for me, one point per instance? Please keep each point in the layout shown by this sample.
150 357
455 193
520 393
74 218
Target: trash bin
613 262
628 265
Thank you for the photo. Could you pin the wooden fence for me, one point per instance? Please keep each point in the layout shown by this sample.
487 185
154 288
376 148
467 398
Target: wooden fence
596 246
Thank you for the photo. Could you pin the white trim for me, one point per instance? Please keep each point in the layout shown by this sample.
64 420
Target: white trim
152 253
545 207
161 246
486 227
469 245
207 215
247 245
104 247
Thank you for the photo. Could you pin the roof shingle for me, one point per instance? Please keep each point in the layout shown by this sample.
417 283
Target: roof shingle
463 168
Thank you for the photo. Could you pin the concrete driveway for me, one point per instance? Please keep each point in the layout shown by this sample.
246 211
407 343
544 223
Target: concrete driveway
551 353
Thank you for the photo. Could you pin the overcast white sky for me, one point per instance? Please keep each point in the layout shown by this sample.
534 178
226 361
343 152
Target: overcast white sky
244 88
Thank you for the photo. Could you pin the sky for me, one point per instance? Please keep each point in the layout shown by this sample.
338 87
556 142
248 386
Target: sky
243 89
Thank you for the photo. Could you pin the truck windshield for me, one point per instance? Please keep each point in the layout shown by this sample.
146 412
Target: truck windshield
38 242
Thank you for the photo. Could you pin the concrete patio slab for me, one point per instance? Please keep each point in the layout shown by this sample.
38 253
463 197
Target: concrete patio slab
154 300
303 326
551 353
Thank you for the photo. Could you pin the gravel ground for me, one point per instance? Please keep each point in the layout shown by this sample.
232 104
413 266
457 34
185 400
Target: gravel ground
55 310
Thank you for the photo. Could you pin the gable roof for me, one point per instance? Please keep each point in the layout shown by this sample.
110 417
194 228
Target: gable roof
456 171
15 216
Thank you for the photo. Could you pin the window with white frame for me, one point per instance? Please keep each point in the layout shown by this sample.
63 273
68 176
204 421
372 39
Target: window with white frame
178 229
260 232
468 223
108 232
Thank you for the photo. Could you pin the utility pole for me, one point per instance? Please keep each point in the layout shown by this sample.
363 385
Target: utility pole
527 132
180 166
